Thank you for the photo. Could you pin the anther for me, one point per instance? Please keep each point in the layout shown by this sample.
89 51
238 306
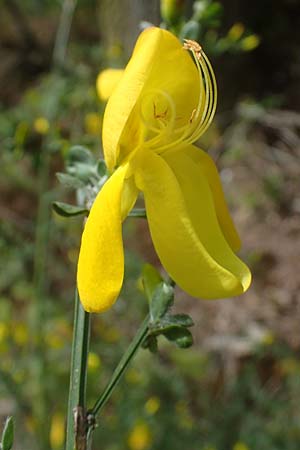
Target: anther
189 44
162 115
193 115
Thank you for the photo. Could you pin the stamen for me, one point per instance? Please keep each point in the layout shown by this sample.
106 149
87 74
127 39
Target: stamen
167 135
189 44
197 124
165 126
193 115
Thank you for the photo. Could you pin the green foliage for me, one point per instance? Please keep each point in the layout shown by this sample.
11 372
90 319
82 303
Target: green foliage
160 295
7 438
204 26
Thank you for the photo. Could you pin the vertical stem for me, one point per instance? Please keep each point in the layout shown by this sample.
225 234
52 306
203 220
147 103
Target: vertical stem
80 349
63 32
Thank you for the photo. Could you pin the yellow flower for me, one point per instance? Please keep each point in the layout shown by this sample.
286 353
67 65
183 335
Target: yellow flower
162 104
250 42
171 10
57 431
152 405
94 362
20 334
140 437
93 124
41 125
107 81
236 31
240 446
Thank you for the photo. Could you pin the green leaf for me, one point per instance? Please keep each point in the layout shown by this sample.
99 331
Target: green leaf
180 336
82 171
177 321
190 30
101 168
66 210
151 278
69 180
150 343
78 153
7 439
162 300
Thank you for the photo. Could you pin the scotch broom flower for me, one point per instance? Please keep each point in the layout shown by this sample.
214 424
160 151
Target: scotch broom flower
162 104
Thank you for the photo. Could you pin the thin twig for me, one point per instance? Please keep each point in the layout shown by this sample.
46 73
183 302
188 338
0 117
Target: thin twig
63 32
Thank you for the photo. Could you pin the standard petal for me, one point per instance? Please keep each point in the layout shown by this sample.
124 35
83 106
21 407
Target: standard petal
101 259
107 81
211 172
126 94
143 79
197 257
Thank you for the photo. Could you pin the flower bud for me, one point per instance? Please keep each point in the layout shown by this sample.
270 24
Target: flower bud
171 11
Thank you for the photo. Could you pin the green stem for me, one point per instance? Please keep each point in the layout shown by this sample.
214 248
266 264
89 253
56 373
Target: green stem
63 32
80 349
121 367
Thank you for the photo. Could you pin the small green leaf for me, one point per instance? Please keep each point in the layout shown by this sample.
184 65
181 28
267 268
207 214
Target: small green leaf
66 210
69 180
162 300
190 30
180 336
78 153
101 168
181 320
81 171
150 343
151 278
7 439
168 322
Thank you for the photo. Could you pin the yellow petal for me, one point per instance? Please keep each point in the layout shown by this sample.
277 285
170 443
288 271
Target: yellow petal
107 81
211 172
158 63
101 259
129 196
185 230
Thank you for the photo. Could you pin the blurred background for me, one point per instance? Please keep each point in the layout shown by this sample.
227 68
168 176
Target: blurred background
238 387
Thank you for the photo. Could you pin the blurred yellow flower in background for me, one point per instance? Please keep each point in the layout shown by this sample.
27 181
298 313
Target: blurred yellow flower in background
94 362
57 431
250 42
152 405
93 124
41 125
140 437
236 31
162 103
20 334
240 446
